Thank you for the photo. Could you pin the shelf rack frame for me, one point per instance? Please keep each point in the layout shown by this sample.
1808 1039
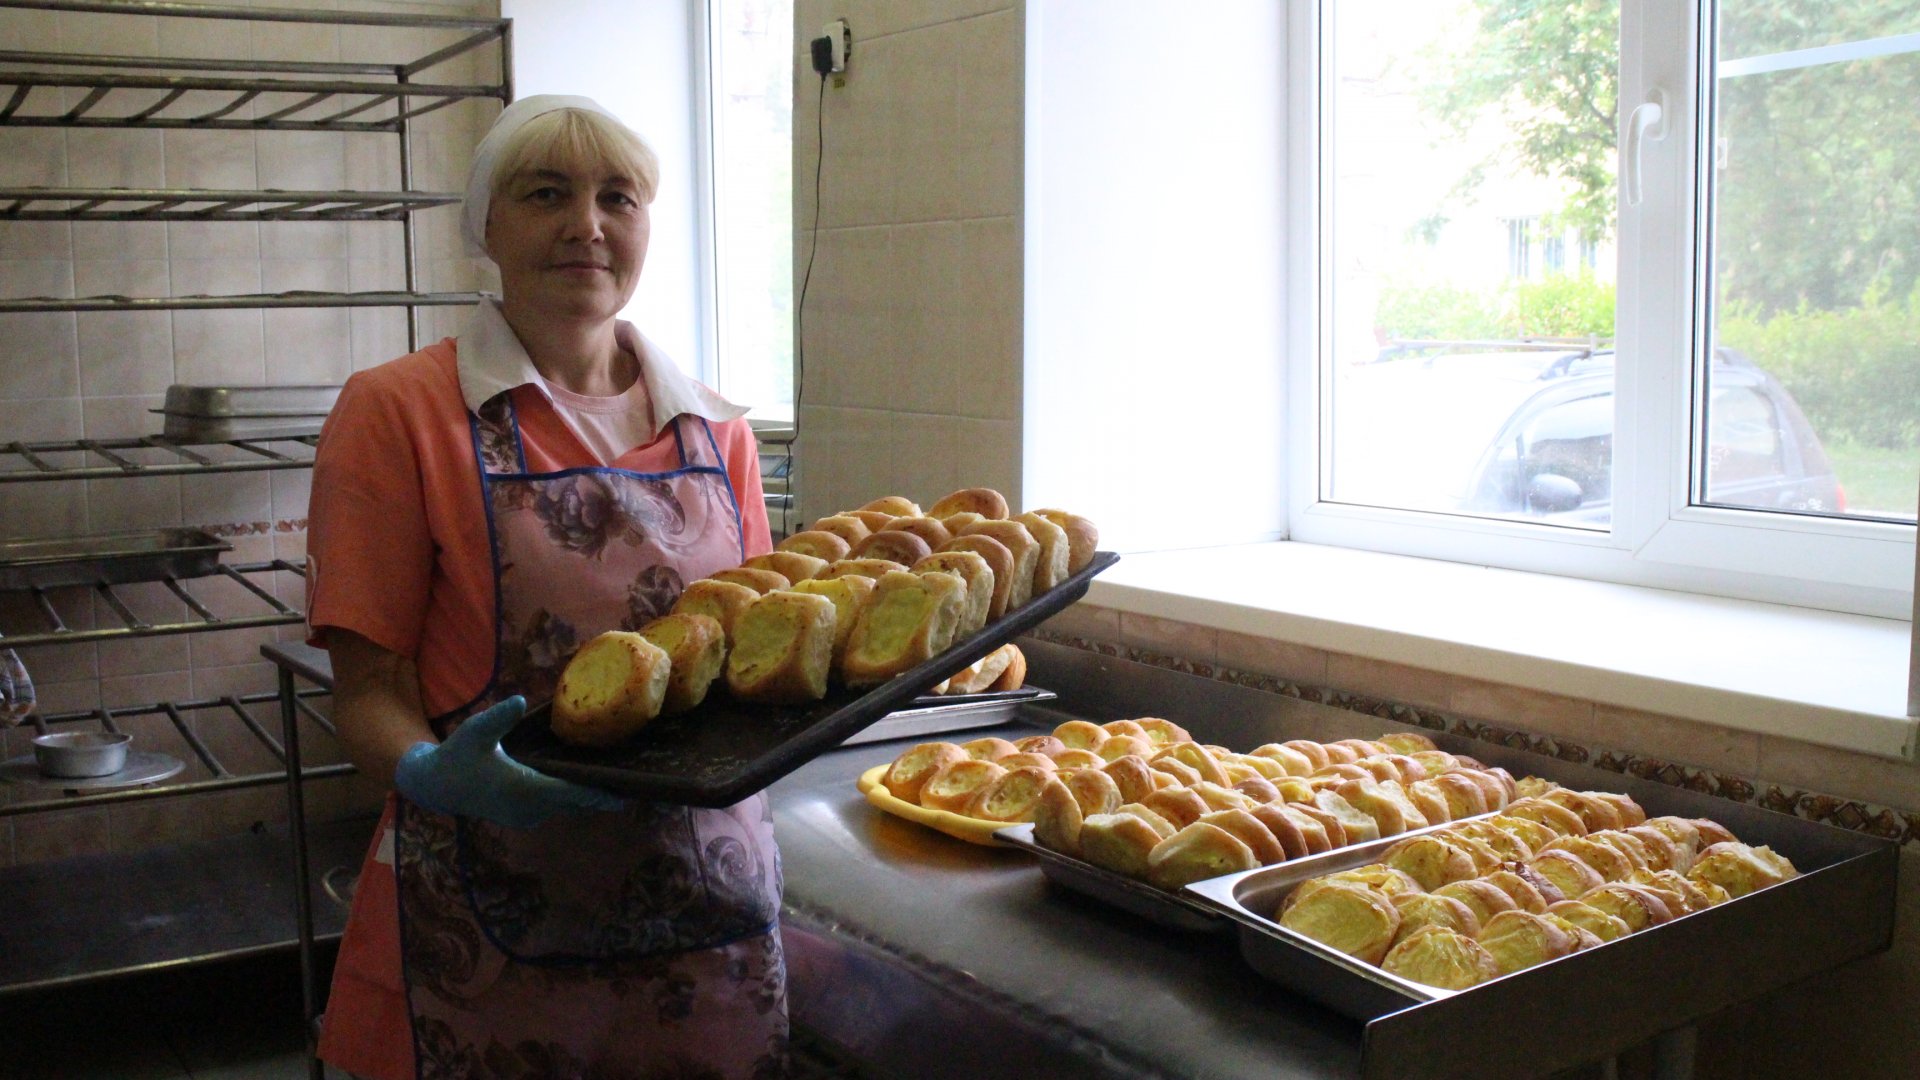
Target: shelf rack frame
189 459
278 613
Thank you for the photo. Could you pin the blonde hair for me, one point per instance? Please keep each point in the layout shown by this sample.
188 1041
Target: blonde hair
577 140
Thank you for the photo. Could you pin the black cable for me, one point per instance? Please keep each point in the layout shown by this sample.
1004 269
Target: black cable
800 307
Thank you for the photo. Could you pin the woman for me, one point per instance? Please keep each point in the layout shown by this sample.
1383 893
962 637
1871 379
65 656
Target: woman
480 509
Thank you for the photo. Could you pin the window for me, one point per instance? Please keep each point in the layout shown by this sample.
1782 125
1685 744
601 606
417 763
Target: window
751 101
1720 391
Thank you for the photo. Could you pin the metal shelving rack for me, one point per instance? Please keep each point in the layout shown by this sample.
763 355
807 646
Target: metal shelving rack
75 90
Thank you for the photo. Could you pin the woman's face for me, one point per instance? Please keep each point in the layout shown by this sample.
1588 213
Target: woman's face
570 241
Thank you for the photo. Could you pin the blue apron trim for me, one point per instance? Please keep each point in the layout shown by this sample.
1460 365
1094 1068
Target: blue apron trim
733 500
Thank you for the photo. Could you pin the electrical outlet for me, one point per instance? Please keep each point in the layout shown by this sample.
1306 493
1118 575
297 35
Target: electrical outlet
839 43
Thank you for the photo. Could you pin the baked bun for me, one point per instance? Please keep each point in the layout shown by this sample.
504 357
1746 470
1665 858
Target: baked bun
819 543
1250 831
902 547
1570 873
1685 834
1058 817
1195 853
1600 924
1406 742
1524 885
1178 805
1422 909
1608 861
1014 675
1509 847
986 502
1132 776
1429 860
1740 869
782 649
1688 895
1050 566
975 572
1346 917
1071 758
1115 747
1315 753
1080 734
1193 755
1520 939
1358 825
874 520
793 565
1336 832
1427 799
1124 727
1663 853
1255 787
1712 832
867 568
758 578
952 786
1483 898
1019 542
610 689
1561 820
846 527
926 528
911 618
1442 958
1010 797
1095 791
1313 830
956 522
721 601
1634 905
897 505
1526 830
911 770
1221 798
1288 758
989 748
1484 856
977 676
998 559
1082 538
696 650
1024 758
1386 802
1464 798
1384 880
849 594
1596 814
1120 841
1285 828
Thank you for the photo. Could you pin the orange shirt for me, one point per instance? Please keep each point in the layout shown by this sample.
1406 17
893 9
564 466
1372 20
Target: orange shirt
397 544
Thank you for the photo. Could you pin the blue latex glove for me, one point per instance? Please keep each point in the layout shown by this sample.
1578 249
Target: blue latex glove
469 775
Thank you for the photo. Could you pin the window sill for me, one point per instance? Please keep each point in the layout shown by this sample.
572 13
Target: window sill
1821 677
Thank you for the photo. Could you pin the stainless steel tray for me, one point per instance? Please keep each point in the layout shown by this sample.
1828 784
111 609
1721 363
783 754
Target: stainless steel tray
110 559
1665 977
250 401
934 714
216 429
1171 910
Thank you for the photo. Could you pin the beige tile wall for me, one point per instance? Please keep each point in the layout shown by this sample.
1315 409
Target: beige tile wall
911 324
66 376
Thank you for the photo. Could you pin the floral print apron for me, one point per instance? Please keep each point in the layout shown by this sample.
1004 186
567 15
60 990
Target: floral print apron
640 943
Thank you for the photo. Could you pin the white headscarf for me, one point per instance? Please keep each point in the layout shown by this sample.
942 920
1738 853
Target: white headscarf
486 157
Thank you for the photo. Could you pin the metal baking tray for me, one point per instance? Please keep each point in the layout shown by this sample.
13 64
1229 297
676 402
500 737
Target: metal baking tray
1595 1003
250 401
934 714
218 429
1158 906
110 558
725 750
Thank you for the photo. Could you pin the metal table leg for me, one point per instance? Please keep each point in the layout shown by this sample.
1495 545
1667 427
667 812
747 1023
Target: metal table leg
302 886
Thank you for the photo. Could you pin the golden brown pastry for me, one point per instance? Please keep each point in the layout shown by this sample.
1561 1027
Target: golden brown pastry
1162 732
758 578
1600 924
1183 774
1554 816
1290 760
1256 787
1429 860
867 568
904 548
1095 791
1251 831
1193 755
1329 822
896 505
696 650
1057 818
846 527
975 572
1529 891
998 559
1115 747
956 522
1532 787
1636 851
874 520
721 601
1740 869
1019 542
849 594
1358 825
1083 539
1264 767
1663 852
1357 749
1442 958
1014 675
1120 841
1080 734
1078 759
952 786
1422 909
1012 796
1024 759
1596 814
1483 898
819 543
1385 802
1284 829
929 529
1315 753
977 676
1634 905
1570 873
1630 812
793 565
1689 894
1712 832
1382 879
911 770
1406 742
1436 762
1346 917
989 748
782 649
609 690
1219 797
1507 846
1132 776
1464 797
1528 831
910 618
1039 744
984 501
1124 727
1178 805
1313 833
1429 800
1050 565
1685 834
1521 939
1195 853
1603 858
1492 788
1484 857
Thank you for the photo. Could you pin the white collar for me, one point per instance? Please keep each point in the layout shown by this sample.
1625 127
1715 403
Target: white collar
492 360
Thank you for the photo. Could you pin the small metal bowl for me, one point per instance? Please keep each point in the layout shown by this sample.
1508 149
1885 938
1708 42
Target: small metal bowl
81 753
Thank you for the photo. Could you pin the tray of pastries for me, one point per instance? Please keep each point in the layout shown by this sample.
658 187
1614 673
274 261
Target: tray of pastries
761 667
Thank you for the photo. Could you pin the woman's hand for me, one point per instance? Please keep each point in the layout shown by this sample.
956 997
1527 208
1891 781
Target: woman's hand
469 775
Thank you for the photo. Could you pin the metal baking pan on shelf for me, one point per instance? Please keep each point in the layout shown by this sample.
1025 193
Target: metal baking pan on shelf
110 558
725 750
250 401
1174 911
1594 1003
217 429
936 714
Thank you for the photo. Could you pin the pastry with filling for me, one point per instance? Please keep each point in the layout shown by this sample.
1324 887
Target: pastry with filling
975 572
1080 734
1690 895
910 618
1115 747
795 566
984 501
952 786
1423 909
1561 820
1429 800
896 505
1178 805
1570 873
1313 832
1019 542
1712 832
1463 797
1438 957
1330 823
1221 798
1194 756
1256 787
1292 761
1162 732
1663 852
926 528
1509 847
1023 758
721 601
1607 860
1132 776
1528 831
1634 905
1251 831
1596 814
1740 869
1083 539
696 650
1095 791
989 748
1407 742
1346 917
1012 796
1483 898
849 594
874 520
1039 744
1071 758
1386 802
758 578
1685 834
867 568
1429 860
901 547
1122 841
1058 818
1195 853
1050 565
998 559
846 527
1358 825
1528 890
911 770
1520 939
1600 924
819 543
609 690
1315 753
1284 828
782 649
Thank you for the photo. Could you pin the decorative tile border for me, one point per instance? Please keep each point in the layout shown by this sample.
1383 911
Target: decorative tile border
1885 822
230 529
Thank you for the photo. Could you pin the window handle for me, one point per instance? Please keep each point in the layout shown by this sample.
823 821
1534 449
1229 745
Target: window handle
1647 121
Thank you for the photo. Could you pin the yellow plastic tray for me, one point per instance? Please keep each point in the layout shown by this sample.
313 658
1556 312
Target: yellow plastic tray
972 830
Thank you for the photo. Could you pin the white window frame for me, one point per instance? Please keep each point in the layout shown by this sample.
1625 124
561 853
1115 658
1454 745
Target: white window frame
1659 537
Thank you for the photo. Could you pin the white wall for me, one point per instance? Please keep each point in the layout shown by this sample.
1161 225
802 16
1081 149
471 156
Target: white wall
637 59
1154 243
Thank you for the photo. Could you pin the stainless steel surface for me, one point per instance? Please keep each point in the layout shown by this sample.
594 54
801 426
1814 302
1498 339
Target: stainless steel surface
139 767
83 755
915 723
56 631
110 558
202 430
220 402
150 455
1174 911
294 299
200 204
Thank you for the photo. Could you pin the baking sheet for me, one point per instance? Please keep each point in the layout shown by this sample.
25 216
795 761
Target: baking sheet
725 750
250 401
936 714
142 767
109 558
1156 905
215 429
